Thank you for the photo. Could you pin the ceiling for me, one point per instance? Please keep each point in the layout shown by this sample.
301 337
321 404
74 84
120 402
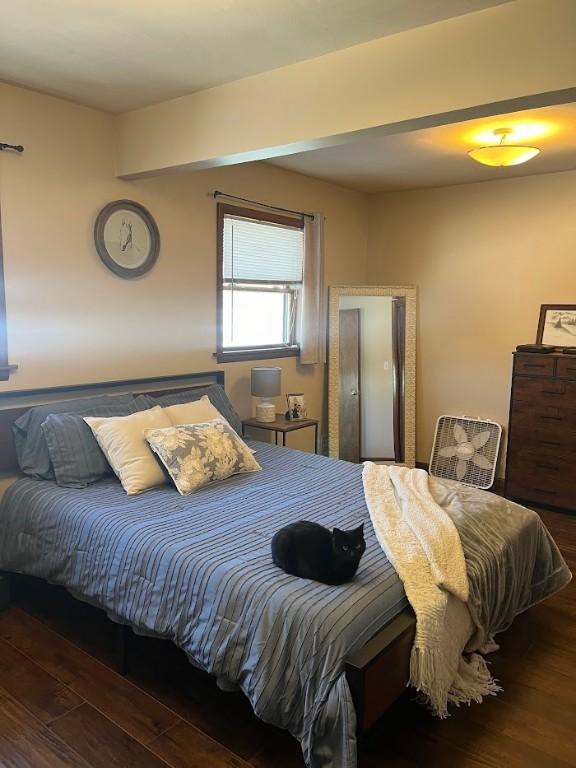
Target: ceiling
436 157
118 55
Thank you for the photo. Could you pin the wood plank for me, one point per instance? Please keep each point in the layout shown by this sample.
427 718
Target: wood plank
130 707
535 723
553 658
101 743
138 713
34 688
280 751
191 694
477 746
184 746
59 657
83 625
461 740
26 743
194 696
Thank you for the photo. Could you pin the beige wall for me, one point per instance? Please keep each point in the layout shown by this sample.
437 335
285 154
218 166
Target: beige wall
484 258
518 53
72 321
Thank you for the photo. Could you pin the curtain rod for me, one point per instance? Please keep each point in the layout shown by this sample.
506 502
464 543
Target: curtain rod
217 193
15 147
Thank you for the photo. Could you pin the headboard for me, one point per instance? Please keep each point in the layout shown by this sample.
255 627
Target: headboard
14 404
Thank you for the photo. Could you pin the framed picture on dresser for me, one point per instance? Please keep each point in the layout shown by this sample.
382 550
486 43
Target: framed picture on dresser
557 325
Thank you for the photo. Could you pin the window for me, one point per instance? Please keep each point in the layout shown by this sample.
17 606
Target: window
260 263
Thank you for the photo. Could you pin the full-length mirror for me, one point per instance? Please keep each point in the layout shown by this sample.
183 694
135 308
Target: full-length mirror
372 369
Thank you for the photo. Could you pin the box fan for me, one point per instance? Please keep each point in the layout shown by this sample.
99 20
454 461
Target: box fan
466 450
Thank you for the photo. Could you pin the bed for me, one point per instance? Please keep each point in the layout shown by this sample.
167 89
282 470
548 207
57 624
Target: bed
323 662
192 569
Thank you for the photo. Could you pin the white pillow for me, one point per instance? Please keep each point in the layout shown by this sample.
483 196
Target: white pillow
124 445
195 412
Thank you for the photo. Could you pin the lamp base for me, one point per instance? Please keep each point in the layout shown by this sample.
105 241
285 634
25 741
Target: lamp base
265 411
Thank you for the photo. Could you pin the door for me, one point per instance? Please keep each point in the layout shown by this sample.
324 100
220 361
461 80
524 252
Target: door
399 353
349 399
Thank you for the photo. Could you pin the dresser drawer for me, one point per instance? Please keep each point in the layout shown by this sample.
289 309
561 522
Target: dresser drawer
566 367
542 438
545 476
556 420
534 365
545 463
546 496
545 391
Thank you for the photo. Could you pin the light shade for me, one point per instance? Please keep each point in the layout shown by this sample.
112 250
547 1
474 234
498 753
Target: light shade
503 154
266 382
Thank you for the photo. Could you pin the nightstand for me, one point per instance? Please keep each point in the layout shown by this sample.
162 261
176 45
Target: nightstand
281 425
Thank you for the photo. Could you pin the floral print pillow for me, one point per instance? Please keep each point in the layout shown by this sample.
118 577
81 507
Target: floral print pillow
196 454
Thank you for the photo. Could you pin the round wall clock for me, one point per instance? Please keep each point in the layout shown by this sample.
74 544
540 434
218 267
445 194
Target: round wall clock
126 238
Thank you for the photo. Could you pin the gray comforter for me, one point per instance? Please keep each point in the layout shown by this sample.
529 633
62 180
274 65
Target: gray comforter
511 559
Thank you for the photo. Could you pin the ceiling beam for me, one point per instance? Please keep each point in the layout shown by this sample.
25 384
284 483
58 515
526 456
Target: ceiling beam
514 56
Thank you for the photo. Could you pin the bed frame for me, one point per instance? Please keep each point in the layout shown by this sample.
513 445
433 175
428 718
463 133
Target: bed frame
377 673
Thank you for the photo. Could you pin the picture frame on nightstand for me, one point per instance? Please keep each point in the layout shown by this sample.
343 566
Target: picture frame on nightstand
296 407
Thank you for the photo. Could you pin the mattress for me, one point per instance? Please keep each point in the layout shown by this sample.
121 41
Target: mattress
197 570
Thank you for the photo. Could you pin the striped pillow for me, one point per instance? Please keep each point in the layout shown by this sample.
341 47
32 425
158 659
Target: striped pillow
31 446
76 457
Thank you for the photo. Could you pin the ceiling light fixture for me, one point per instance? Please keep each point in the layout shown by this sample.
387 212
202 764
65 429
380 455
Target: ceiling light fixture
502 154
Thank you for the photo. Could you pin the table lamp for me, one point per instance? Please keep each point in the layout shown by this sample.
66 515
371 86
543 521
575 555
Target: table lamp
266 383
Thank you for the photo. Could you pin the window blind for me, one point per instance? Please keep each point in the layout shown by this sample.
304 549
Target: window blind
255 251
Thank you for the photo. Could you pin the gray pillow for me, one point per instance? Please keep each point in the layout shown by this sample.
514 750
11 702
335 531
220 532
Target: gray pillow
31 446
217 397
76 457
198 454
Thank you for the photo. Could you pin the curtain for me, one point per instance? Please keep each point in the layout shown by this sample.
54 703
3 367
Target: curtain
312 336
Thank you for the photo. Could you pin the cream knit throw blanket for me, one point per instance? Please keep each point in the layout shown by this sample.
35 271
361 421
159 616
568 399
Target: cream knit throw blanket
423 545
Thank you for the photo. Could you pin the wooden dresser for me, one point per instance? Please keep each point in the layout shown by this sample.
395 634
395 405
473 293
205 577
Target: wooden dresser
541 460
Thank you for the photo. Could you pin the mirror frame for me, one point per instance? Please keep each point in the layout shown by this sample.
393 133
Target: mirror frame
409 293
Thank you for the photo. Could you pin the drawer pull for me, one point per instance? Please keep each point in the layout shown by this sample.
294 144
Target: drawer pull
541 490
551 443
552 467
552 418
533 365
552 392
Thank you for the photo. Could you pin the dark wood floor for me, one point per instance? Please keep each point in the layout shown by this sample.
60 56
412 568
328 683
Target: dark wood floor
62 703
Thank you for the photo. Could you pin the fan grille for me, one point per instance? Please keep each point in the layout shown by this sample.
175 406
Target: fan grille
445 438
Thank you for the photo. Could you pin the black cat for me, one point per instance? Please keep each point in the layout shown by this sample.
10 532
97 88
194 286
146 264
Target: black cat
311 551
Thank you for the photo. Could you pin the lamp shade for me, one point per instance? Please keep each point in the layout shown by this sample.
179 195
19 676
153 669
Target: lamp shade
266 382
503 154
